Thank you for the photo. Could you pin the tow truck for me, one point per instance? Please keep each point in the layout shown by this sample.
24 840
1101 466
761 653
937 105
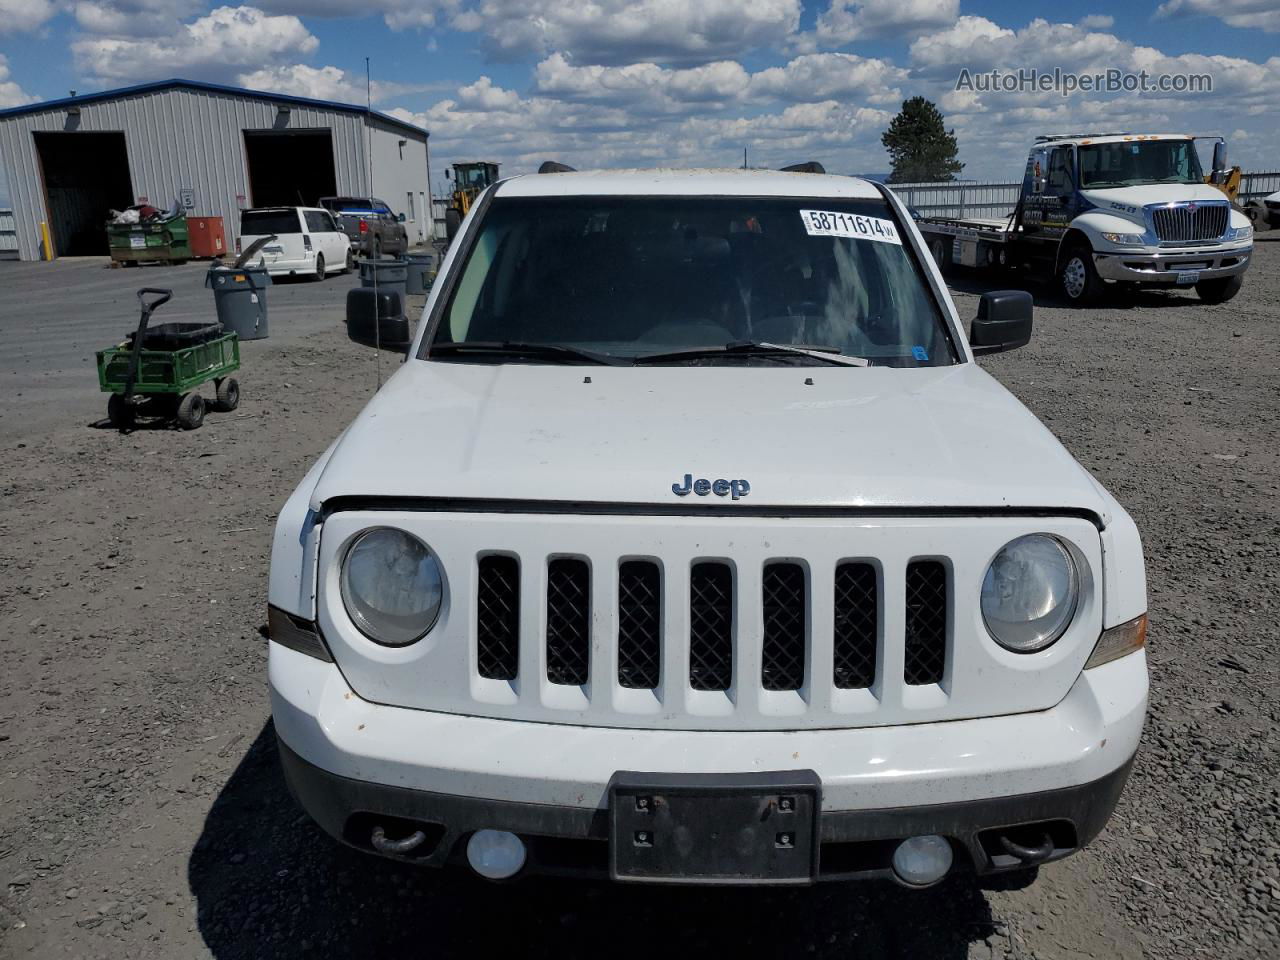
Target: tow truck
1099 211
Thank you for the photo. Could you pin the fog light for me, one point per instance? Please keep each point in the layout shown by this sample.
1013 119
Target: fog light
495 854
920 861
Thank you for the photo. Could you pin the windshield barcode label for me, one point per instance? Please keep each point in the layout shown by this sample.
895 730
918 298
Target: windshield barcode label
829 223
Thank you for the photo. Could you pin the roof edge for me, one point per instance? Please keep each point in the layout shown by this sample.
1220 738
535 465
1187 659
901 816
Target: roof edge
179 83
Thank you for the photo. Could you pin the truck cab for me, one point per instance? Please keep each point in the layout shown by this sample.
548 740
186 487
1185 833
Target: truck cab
1131 209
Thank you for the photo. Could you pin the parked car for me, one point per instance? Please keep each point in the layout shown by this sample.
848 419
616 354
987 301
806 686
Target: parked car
1265 212
374 230
724 561
307 240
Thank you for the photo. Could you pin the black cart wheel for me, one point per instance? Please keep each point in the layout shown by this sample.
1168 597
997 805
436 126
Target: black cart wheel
228 394
191 411
119 412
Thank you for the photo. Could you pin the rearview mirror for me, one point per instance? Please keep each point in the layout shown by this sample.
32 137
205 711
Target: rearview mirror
400 218
1003 322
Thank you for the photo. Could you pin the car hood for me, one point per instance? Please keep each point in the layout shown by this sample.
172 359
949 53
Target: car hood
801 436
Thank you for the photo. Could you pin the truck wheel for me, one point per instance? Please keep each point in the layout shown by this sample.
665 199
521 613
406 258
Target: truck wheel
941 251
1077 277
191 411
319 267
1257 214
377 250
1220 289
119 413
228 394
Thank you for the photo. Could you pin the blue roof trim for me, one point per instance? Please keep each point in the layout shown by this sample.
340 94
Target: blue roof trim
177 82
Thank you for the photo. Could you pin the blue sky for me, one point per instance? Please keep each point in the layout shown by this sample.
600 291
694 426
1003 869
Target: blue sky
680 82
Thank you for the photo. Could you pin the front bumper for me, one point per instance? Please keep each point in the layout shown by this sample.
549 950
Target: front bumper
354 765
1164 267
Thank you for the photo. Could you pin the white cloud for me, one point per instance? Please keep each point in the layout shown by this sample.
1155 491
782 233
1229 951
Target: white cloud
320 83
17 16
847 20
1097 21
1247 14
135 18
397 14
11 95
627 31
217 46
644 85
824 76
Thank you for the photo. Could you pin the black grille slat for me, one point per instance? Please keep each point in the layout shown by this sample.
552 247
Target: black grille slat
498 618
639 624
857 615
710 626
568 621
926 622
782 653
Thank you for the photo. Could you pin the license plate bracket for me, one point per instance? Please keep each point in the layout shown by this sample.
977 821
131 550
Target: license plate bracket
757 828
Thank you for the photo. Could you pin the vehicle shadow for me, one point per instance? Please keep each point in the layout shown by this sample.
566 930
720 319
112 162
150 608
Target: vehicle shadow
962 280
268 882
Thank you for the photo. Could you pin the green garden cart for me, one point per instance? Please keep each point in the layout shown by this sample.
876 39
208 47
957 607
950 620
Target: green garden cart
155 372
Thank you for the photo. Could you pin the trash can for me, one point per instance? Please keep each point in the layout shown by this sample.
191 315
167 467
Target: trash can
419 266
162 240
240 296
387 276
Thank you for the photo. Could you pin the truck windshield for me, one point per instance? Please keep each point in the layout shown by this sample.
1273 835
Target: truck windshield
630 278
260 223
1131 163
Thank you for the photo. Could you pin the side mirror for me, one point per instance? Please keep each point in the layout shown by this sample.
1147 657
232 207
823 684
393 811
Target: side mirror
448 174
1219 162
400 218
1003 322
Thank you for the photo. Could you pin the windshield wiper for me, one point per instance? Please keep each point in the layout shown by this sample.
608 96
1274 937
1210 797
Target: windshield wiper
514 348
760 348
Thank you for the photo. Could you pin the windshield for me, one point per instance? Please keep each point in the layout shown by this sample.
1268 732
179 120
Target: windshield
1132 163
636 277
260 223
344 204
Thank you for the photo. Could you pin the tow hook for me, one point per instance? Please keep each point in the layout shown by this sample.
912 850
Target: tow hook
396 847
1028 855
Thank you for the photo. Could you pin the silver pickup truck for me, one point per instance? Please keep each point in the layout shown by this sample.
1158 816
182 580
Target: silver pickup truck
369 222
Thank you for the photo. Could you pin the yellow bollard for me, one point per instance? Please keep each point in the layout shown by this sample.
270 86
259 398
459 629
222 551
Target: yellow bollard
47 252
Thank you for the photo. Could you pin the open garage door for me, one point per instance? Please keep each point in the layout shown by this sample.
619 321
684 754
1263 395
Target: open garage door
85 176
289 169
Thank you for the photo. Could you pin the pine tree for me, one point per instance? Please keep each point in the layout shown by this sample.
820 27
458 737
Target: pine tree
921 148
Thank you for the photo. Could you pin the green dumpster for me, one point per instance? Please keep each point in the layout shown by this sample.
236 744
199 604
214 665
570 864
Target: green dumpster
154 240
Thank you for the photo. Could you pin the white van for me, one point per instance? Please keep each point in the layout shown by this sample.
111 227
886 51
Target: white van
307 240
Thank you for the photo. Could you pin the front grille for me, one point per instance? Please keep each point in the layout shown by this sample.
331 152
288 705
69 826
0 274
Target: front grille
857 609
1190 222
715 614
926 633
710 626
498 617
782 649
568 621
639 624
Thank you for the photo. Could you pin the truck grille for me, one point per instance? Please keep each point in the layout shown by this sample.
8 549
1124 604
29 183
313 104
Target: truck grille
1190 222
785 600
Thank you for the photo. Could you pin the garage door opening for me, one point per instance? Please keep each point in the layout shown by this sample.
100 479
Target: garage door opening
86 175
289 169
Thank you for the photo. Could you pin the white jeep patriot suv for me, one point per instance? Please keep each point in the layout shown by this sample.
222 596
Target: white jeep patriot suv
691 545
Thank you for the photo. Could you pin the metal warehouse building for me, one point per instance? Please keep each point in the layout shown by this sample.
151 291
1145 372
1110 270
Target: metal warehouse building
213 149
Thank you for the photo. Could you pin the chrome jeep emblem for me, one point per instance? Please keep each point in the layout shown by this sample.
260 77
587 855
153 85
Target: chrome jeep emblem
721 488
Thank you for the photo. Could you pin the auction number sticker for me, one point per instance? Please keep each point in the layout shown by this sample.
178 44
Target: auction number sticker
830 223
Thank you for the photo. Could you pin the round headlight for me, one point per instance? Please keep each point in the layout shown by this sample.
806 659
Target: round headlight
1030 592
392 586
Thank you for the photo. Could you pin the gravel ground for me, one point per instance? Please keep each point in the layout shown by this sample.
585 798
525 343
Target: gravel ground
142 813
